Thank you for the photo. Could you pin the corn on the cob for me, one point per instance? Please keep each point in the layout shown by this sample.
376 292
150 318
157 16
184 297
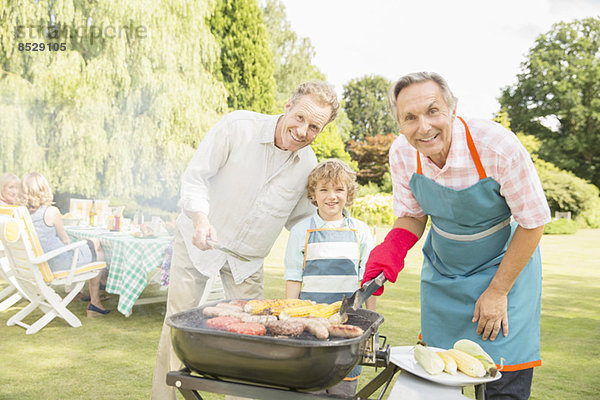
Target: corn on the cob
474 349
315 310
275 310
257 306
428 359
467 364
328 310
302 311
449 363
490 367
262 306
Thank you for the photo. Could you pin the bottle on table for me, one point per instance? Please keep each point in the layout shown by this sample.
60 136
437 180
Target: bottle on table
138 218
93 214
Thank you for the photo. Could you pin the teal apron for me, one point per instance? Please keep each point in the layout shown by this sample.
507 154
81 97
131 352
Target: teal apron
470 232
330 271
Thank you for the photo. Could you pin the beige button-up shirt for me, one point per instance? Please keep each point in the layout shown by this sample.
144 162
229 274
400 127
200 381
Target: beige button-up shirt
249 189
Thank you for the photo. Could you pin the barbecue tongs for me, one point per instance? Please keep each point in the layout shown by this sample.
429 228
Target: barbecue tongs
357 299
232 253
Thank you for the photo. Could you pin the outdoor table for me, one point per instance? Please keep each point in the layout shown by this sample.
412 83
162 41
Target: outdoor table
129 258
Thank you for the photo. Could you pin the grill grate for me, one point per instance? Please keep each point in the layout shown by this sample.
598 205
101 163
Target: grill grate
195 320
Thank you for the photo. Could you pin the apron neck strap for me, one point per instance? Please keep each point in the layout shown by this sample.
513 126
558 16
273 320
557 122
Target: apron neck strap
472 150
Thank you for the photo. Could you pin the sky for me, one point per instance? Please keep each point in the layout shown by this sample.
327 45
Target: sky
478 46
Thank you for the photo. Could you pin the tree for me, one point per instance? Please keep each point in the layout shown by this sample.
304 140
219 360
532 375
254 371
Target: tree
246 60
557 97
372 156
119 110
292 55
329 144
502 118
292 59
365 103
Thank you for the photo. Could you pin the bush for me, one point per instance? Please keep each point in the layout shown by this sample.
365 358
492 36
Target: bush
374 209
564 190
372 155
368 189
560 227
590 217
386 183
329 144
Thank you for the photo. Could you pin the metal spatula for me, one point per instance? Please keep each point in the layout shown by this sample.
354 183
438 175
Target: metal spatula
361 295
217 246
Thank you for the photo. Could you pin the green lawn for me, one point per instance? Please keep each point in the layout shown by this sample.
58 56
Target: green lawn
113 357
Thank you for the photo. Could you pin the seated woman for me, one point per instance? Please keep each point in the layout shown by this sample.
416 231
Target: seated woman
9 188
36 195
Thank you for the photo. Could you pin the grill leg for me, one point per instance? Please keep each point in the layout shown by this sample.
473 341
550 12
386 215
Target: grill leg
190 394
177 379
189 386
385 376
480 392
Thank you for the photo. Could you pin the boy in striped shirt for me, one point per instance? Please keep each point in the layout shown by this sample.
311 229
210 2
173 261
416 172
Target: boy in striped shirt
326 253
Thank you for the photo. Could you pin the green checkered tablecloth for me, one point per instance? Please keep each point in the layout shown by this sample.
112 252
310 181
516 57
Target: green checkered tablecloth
130 259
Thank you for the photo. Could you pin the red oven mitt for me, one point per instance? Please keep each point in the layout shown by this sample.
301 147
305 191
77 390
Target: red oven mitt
389 256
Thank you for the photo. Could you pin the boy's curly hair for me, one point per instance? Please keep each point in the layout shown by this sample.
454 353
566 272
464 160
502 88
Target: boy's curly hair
335 171
34 192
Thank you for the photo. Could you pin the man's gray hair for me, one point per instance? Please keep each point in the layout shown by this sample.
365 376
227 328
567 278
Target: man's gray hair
320 90
418 77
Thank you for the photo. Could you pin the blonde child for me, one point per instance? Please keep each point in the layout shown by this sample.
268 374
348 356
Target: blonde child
36 195
326 253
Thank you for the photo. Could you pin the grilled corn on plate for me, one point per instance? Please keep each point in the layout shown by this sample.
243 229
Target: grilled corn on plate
467 357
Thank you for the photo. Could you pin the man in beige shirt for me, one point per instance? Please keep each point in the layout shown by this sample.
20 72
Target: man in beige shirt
245 182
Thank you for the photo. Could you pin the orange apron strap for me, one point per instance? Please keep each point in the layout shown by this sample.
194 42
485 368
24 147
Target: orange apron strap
473 150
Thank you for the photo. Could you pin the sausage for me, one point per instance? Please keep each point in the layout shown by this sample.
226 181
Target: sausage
345 331
233 313
247 328
212 311
322 320
286 328
240 303
260 319
315 326
221 322
338 319
222 312
232 306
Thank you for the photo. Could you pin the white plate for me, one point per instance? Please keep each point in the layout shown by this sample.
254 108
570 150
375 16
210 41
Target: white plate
403 356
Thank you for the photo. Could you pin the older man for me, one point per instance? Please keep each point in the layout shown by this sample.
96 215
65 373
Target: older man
481 272
244 184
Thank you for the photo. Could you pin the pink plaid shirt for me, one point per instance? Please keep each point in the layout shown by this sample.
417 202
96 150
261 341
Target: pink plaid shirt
502 156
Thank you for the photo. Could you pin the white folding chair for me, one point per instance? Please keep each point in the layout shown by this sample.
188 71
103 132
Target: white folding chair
29 265
10 295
